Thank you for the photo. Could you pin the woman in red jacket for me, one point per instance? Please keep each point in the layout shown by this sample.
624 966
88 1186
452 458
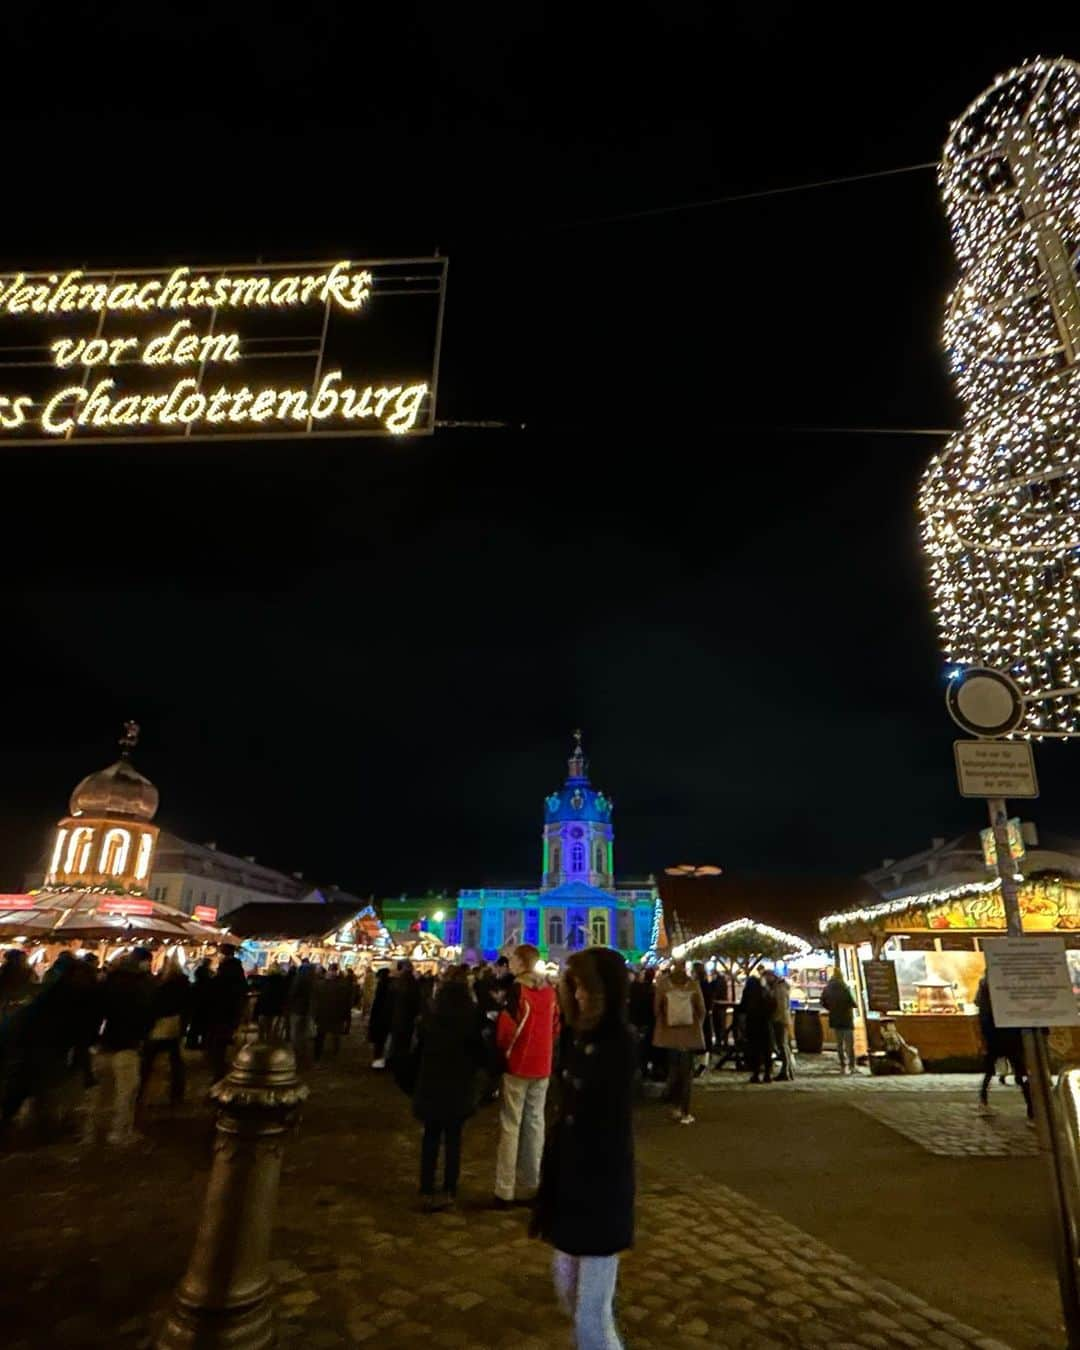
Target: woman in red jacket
525 1035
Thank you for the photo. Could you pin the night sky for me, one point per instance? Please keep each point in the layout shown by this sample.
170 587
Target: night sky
363 659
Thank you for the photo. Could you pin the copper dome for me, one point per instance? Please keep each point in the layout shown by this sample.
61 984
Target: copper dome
118 790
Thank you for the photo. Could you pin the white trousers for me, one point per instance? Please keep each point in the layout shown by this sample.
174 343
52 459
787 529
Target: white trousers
585 1288
521 1136
114 1109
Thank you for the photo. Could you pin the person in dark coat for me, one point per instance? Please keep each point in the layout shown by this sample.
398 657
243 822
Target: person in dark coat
406 1010
381 1018
585 1206
839 1002
42 1034
127 997
17 982
333 1007
756 1010
200 1004
451 1056
227 1005
642 1017
999 1043
87 983
169 1011
273 991
300 1008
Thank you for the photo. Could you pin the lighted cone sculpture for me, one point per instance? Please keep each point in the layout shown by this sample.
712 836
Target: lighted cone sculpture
224 1298
1001 504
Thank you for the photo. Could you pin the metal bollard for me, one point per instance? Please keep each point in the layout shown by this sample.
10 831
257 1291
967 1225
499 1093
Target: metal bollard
224 1298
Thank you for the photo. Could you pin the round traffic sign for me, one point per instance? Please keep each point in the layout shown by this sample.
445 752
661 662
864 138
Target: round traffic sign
985 702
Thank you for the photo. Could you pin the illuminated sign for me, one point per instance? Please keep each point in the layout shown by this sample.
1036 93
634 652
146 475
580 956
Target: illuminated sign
144 907
18 902
204 913
286 349
1016 844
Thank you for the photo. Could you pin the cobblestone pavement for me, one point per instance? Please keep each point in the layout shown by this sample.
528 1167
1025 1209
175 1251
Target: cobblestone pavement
955 1129
475 1280
818 1073
356 1263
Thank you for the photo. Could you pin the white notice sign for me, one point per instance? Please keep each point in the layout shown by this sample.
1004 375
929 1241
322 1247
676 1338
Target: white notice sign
995 769
1030 984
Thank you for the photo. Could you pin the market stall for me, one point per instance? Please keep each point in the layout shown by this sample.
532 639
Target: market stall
918 959
103 920
332 933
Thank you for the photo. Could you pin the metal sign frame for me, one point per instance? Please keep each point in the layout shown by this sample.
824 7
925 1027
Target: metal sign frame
405 276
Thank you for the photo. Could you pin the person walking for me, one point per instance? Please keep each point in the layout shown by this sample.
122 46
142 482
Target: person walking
999 1043
200 1005
780 1026
169 1012
380 1018
42 1036
127 998
525 1035
451 1055
680 1017
405 1010
333 1007
17 982
226 1005
839 1002
273 990
756 1010
585 1205
299 1006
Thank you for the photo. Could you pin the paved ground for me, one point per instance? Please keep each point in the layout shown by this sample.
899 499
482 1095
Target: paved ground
746 1239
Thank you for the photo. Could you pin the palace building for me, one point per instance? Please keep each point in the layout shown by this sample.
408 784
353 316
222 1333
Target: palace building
577 903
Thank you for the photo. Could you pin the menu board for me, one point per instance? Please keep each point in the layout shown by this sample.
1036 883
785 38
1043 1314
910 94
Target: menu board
882 989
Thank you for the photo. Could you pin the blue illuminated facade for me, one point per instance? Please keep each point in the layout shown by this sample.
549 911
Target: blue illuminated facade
577 903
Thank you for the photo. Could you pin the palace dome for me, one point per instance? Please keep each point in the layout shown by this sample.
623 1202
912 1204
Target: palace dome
577 799
119 790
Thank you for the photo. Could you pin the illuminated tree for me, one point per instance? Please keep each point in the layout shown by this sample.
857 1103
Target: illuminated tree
1001 504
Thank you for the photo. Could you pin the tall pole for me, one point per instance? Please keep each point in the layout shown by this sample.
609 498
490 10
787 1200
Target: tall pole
1054 1137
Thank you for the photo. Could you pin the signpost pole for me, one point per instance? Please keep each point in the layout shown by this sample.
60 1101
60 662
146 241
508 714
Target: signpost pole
1055 1140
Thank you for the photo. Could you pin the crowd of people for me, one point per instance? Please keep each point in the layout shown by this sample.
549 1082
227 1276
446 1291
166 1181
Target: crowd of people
85 1037
448 1043
561 1064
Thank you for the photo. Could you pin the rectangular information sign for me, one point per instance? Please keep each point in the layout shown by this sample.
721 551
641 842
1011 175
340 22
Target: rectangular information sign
205 913
1030 984
178 353
995 769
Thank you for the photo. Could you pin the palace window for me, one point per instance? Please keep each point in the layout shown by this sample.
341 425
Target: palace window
577 858
556 857
599 930
598 866
555 930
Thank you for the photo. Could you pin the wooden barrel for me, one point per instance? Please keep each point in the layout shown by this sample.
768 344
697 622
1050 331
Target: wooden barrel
809 1034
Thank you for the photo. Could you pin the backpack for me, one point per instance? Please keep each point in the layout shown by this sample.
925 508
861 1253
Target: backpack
679 1005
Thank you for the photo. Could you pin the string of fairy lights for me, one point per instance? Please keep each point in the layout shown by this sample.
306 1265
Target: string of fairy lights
1000 504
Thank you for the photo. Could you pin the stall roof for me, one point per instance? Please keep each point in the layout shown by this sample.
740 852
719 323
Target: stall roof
266 920
697 905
